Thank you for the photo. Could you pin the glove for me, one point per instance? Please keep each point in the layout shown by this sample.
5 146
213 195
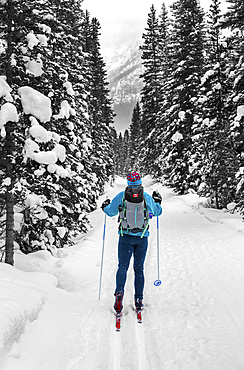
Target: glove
157 197
105 203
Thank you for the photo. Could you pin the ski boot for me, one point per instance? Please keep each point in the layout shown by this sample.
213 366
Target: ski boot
139 308
138 304
118 306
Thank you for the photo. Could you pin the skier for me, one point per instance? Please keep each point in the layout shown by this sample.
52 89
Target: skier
134 207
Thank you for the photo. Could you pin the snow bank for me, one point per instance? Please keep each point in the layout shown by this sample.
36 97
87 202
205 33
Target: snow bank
230 218
43 327
38 320
193 200
22 299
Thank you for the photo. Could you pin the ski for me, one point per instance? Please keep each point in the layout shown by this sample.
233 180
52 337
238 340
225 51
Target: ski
118 320
139 316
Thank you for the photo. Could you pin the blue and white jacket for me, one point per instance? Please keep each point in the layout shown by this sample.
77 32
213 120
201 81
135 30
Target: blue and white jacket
113 209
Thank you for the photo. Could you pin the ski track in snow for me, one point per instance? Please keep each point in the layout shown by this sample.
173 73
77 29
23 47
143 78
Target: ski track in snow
193 321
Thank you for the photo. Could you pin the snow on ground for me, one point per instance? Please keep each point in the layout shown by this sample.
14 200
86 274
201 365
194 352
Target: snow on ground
51 318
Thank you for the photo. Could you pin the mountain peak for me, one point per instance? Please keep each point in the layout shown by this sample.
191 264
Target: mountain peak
124 71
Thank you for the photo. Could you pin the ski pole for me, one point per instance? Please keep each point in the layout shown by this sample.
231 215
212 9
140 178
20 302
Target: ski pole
157 282
101 271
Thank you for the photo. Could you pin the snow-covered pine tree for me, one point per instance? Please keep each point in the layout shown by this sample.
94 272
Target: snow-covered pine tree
214 162
8 121
55 186
150 93
122 150
165 86
69 177
235 14
135 137
126 153
186 62
7 224
163 46
115 151
99 106
234 20
213 36
120 169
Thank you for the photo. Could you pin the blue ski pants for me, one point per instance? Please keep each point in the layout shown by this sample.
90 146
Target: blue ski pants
137 246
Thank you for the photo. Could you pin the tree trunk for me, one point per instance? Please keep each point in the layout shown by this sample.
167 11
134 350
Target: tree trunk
9 244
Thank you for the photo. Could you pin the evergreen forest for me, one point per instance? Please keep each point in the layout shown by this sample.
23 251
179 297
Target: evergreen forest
187 128
57 156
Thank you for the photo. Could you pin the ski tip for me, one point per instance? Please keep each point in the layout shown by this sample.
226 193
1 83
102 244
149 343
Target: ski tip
139 316
117 324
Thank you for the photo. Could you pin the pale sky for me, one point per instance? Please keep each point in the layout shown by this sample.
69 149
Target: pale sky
123 21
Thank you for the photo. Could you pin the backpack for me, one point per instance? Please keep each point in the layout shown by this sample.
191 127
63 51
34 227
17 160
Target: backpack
133 213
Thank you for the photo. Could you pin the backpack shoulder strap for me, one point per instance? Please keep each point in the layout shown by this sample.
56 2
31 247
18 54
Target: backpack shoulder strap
145 202
146 216
122 213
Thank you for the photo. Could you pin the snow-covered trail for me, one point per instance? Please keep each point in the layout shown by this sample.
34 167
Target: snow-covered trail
194 320
202 297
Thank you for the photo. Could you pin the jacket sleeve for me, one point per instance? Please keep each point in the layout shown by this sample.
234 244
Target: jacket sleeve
113 208
154 208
